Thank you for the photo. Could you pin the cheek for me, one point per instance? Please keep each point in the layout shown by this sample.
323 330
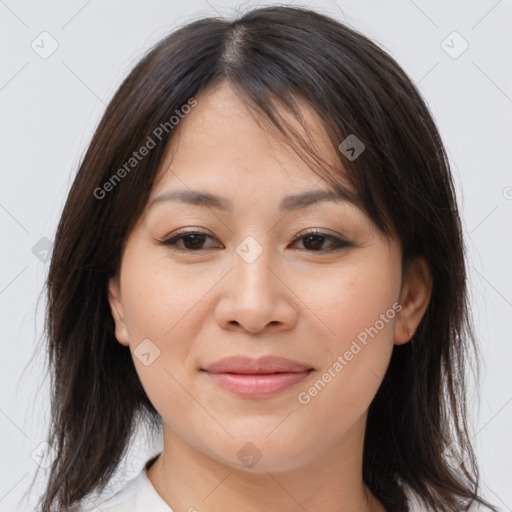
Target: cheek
159 304
351 301
358 313
159 296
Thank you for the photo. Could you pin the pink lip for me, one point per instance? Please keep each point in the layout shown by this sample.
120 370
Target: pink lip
256 378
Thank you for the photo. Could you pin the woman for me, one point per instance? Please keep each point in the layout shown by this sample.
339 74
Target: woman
262 256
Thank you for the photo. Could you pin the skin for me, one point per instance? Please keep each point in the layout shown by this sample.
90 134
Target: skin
293 301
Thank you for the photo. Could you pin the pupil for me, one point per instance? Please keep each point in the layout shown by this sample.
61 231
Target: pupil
196 240
317 238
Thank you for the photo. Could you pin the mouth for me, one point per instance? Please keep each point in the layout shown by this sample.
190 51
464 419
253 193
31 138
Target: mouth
261 378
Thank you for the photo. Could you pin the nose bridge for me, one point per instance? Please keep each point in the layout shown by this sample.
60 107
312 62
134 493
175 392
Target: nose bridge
252 274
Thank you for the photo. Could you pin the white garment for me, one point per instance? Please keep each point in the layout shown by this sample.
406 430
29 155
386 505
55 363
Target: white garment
137 495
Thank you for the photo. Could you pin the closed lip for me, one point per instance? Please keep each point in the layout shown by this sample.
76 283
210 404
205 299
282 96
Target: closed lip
264 365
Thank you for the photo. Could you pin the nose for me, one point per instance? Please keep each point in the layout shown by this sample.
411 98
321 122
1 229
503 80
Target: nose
256 296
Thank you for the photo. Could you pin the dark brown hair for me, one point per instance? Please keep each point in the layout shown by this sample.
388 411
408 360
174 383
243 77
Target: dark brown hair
271 56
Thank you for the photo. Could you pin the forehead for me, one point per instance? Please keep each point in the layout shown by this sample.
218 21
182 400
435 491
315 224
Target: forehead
224 140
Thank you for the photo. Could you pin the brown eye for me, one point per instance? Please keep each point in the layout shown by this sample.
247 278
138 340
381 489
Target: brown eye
190 240
314 242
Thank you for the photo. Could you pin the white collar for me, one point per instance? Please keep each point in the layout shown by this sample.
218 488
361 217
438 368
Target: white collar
137 495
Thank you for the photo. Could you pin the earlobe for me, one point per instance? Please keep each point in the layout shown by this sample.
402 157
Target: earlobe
117 310
415 298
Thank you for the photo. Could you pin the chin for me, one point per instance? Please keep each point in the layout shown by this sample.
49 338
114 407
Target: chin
260 453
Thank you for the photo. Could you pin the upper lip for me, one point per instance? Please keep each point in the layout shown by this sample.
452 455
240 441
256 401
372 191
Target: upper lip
249 365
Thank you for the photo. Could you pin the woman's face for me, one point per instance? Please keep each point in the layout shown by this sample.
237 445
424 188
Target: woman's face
253 284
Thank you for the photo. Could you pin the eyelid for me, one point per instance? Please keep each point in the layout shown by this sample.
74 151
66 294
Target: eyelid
339 241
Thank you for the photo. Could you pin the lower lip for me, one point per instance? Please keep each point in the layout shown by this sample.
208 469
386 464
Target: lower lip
257 385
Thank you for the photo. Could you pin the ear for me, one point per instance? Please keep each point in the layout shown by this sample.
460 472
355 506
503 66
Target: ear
414 298
117 310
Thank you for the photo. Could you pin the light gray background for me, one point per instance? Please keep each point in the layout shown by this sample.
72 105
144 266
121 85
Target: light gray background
50 107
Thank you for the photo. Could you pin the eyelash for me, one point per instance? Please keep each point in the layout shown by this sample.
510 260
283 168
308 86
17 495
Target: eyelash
338 242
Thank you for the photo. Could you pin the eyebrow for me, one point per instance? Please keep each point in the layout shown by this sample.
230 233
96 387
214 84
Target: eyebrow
292 202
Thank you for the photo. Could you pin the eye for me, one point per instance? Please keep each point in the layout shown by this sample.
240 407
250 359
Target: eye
192 240
313 240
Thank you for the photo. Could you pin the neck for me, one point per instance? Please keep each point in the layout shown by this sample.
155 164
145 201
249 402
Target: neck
190 480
